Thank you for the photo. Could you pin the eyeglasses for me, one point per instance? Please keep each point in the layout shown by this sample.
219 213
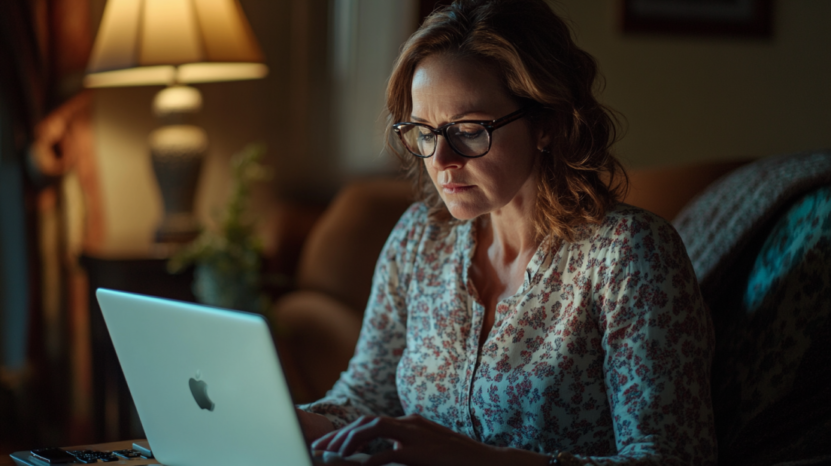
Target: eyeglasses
467 138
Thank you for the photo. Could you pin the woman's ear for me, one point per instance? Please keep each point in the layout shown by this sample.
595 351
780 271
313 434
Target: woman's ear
543 138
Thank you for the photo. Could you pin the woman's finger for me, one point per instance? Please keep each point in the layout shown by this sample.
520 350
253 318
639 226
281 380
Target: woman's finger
380 427
333 440
323 442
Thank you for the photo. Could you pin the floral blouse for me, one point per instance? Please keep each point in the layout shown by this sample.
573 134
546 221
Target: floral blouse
604 351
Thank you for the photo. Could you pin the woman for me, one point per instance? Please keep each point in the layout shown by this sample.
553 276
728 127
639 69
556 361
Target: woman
519 314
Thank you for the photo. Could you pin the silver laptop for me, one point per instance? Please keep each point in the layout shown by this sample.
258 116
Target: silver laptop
206 382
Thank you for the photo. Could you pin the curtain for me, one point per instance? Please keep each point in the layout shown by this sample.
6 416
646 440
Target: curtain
46 215
14 301
21 98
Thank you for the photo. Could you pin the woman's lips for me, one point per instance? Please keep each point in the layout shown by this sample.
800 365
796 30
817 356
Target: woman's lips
455 188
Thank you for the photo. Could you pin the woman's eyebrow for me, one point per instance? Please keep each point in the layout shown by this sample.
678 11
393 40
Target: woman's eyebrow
453 118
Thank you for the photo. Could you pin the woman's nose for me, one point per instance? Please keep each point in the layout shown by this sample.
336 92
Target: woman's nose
445 157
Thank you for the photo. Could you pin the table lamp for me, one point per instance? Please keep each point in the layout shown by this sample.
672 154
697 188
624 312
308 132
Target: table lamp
174 43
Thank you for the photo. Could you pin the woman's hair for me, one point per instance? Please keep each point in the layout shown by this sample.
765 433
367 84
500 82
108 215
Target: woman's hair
532 51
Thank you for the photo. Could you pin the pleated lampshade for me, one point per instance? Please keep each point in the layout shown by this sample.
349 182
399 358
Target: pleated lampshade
147 42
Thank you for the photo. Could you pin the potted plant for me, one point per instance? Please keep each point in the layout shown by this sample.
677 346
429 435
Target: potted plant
228 259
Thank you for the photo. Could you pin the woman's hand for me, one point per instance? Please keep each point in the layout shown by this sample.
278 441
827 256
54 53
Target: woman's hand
420 442
313 425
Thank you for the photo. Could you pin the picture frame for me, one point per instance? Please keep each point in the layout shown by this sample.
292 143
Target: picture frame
741 18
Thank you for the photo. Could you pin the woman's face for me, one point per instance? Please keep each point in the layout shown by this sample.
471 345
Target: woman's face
447 88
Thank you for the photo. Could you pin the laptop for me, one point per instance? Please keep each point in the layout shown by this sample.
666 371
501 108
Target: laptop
207 385
206 382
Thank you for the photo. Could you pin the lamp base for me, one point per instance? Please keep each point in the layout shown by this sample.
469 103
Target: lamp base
179 227
177 152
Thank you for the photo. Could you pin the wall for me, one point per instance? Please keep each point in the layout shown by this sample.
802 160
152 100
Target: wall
366 36
690 99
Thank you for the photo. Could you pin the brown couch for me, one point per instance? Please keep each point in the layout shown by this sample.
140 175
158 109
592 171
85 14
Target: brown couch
318 322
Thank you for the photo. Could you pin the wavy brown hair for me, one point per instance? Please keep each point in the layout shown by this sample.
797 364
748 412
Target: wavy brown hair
532 50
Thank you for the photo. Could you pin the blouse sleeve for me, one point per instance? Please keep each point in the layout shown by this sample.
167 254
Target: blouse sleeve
658 341
368 387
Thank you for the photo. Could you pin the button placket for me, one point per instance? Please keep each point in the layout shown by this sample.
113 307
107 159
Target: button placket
477 312
473 351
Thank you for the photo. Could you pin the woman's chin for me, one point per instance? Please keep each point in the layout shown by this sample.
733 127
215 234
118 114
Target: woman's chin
460 211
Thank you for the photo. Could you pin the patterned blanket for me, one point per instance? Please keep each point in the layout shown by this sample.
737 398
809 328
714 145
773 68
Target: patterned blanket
760 242
719 223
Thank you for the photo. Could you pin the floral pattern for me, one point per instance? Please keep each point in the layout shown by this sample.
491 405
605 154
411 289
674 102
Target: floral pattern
604 351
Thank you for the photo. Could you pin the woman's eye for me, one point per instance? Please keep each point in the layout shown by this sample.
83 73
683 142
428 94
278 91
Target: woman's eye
469 132
425 136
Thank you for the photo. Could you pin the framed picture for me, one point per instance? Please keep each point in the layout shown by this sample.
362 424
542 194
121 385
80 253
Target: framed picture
698 17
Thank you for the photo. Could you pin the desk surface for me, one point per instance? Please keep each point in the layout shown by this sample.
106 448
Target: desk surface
122 445
6 460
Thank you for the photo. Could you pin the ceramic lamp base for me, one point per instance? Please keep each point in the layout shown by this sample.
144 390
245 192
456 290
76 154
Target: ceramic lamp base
177 153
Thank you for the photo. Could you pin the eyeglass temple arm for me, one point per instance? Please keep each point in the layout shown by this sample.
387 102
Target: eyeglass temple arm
510 118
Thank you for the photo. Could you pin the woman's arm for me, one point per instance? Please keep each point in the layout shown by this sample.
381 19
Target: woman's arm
658 342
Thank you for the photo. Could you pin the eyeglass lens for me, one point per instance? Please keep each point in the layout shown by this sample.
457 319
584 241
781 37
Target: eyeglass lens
468 139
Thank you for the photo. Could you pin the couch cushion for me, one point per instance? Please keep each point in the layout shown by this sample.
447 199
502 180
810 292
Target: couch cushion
666 190
339 256
316 336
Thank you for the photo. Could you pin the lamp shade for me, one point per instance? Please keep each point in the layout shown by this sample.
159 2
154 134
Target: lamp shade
145 42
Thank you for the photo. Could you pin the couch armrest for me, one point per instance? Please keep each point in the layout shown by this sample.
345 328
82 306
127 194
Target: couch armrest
666 190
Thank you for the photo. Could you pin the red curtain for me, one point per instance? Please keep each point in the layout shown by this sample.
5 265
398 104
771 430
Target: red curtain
44 46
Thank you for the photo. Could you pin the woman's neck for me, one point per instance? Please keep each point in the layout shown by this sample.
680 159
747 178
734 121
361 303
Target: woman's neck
510 231
506 242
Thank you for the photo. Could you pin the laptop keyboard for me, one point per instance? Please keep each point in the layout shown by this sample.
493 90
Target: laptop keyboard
83 457
92 456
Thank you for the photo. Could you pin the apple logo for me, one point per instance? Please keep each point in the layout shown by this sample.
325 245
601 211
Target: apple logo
199 390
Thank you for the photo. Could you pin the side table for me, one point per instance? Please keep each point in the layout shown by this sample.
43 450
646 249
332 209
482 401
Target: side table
113 412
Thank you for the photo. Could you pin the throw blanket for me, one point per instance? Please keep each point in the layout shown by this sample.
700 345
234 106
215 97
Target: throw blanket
760 242
721 221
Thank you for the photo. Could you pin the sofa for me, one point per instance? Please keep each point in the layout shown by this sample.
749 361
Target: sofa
759 236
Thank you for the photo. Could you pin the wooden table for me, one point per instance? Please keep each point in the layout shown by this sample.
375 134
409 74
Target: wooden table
122 445
126 445
113 411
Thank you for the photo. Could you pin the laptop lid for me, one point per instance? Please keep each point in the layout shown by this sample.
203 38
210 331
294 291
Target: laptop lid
206 382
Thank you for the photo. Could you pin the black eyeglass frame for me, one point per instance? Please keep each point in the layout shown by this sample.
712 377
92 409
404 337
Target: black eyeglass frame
489 125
